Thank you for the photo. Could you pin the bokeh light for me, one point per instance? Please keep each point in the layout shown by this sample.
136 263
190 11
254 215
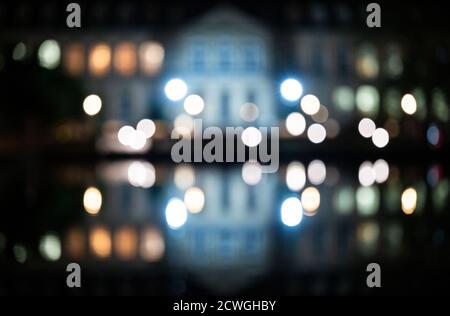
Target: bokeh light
317 172
291 212
310 199
295 124
409 201
147 127
310 104
141 174
316 133
380 138
194 104
249 112
100 60
291 89
366 127
50 247
295 176
176 213
409 104
194 199
92 201
251 136
100 242
251 173
176 89
49 54
92 105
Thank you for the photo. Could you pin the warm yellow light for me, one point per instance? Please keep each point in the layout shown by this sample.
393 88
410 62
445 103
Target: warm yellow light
92 201
125 243
125 59
152 245
75 243
100 241
409 201
74 59
100 60
194 199
310 200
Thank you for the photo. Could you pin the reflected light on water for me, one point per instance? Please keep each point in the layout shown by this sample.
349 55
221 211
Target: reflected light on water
316 133
251 173
176 213
381 170
92 201
152 245
75 243
295 176
366 174
310 104
147 127
141 174
184 177
409 201
125 135
295 124
125 243
367 200
317 172
100 242
194 199
291 212
310 201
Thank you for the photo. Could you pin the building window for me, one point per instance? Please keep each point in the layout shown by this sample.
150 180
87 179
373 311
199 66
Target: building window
343 67
125 106
226 191
225 106
125 59
251 243
199 243
251 199
226 244
198 55
252 56
100 60
74 59
225 56
394 61
318 61
367 65
151 57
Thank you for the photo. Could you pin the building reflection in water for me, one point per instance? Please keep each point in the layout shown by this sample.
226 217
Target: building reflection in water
210 225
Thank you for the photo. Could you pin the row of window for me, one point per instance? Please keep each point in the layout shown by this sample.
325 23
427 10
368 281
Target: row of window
225 55
125 58
365 61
